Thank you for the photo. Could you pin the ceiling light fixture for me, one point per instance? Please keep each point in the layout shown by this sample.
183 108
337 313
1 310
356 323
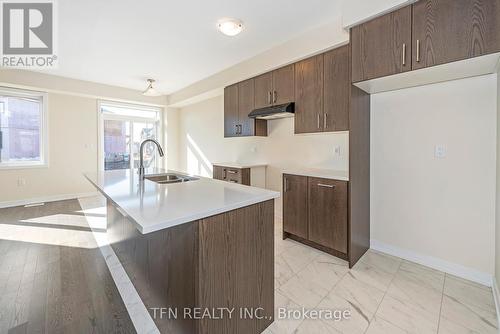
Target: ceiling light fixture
230 27
151 91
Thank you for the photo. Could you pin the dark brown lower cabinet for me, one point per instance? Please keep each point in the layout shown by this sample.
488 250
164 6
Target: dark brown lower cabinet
226 260
231 174
295 205
315 213
328 213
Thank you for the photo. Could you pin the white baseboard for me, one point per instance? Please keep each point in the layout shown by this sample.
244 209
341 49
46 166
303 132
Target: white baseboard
435 263
496 297
44 199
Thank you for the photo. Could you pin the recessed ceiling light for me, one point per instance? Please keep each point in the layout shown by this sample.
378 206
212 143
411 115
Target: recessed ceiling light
230 27
150 90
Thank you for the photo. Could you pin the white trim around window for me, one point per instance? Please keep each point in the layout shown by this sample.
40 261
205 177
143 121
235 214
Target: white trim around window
43 162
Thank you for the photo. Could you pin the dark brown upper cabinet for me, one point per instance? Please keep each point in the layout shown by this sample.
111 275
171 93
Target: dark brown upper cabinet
336 88
275 87
295 205
309 95
264 90
319 86
231 112
449 30
327 213
382 46
245 105
238 103
283 85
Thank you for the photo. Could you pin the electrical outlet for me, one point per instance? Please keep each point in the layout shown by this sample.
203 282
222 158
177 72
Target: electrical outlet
337 151
21 182
440 151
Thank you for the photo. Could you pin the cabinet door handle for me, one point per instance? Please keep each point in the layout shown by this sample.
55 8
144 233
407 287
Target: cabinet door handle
404 54
418 50
269 98
326 185
241 129
232 172
224 174
325 125
319 122
275 96
233 181
286 184
236 127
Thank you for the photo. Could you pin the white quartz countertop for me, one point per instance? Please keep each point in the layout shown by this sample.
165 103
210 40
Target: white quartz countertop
154 206
319 172
238 164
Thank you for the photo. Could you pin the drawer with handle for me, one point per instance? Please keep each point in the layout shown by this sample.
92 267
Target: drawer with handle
231 174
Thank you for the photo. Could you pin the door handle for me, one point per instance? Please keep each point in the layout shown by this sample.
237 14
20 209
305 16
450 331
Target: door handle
286 184
325 121
232 172
236 126
319 122
269 98
404 54
224 174
418 50
275 96
241 129
326 185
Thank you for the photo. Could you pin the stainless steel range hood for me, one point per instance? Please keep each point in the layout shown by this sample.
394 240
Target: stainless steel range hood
274 112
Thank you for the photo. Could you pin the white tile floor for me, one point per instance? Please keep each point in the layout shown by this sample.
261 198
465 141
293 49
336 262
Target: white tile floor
384 294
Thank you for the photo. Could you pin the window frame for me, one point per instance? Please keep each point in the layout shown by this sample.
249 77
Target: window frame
102 117
44 129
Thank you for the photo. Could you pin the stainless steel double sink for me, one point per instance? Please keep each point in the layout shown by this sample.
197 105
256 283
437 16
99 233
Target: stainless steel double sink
168 178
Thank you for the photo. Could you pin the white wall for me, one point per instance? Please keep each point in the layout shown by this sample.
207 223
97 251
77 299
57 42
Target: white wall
171 137
202 142
72 150
441 208
73 137
497 226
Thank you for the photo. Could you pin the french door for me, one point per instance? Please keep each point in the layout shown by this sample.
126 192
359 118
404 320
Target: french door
122 132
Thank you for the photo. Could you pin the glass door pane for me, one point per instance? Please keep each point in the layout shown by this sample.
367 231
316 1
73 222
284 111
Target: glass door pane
142 131
116 144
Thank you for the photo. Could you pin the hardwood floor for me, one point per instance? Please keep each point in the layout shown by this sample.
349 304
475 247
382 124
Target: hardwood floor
53 277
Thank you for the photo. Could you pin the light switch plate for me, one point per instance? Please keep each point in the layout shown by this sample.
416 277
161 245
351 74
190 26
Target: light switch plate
337 151
440 151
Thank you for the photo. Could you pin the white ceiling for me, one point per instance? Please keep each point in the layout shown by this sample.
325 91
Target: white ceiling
123 42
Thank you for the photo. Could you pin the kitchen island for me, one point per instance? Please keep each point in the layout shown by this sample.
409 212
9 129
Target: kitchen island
199 253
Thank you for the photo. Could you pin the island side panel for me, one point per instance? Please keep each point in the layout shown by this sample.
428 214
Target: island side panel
161 265
236 267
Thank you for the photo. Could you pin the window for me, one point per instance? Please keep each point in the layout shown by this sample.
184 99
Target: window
23 128
123 128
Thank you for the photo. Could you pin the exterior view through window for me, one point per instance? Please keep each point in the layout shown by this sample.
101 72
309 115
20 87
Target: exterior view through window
124 128
22 128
